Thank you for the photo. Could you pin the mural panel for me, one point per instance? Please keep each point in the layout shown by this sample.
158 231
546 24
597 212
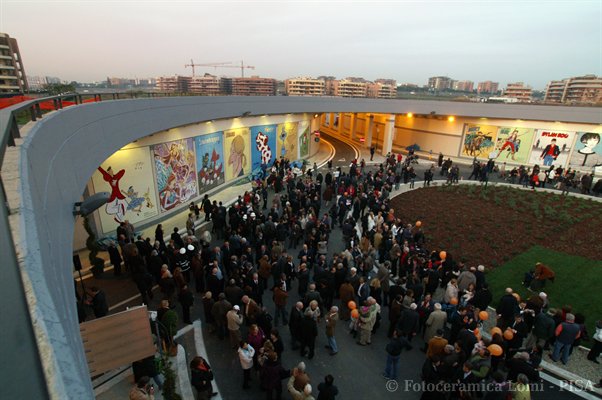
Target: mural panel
551 147
587 155
237 148
210 160
263 145
287 140
479 140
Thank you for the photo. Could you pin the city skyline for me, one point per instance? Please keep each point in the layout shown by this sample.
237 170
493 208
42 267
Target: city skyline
406 41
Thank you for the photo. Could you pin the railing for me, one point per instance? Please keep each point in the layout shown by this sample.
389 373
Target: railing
26 382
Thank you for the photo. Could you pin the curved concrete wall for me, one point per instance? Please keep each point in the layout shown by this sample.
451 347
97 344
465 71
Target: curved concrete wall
62 150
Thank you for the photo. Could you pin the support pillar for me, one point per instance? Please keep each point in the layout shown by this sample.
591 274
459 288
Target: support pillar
369 131
388 134
340 125
352 126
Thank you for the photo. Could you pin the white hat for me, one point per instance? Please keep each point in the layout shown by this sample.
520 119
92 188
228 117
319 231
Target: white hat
253 215
413 306
244 216
481 268
237 308
190 247
182 251
543 295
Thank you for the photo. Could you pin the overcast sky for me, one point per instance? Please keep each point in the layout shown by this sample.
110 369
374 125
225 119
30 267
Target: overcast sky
530 41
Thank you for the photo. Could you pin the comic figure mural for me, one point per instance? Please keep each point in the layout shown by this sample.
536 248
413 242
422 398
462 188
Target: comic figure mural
263 152
128 175
209 160
175 165
479 140
238 153
304 137
287 140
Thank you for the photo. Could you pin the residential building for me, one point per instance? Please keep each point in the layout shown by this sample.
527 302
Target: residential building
440 83
488 87
253 86
348 88
12 72
463 86
304 87
35 82
207 85
176 83
585 89
518 90
381 90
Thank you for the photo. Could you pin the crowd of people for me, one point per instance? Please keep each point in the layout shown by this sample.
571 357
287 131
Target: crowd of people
382 272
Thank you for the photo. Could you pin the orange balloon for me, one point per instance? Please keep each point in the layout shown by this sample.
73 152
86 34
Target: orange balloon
495 350
483 315
495 330
352 305
453 301
442 255
508 334
516 296
355 313
418 224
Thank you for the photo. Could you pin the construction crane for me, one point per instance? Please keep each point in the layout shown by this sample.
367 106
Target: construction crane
242 66
214 65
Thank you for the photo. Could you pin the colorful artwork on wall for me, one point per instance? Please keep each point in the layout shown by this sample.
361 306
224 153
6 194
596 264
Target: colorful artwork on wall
210 160
587 155
479 140
287 140
551 147
128 176
513 144
263 148
175 166
237 150
304 138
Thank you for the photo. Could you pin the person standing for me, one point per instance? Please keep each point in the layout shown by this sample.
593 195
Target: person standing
186 300
201 377
234 319
372 150
309 331
245 355
396 344
143 390
326 389
566 334
98 302
597 347
280 298
331 322
295 324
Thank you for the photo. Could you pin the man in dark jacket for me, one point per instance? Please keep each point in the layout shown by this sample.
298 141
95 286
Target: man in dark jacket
294 324
393 349
506 309
407 326
482 298
566 334
519 364
309 331
327 390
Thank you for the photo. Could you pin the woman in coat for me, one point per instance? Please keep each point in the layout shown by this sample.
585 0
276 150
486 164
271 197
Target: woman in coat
435 321
201 377
271 376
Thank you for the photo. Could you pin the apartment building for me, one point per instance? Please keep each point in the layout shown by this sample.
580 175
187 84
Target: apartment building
488 87
12 72
585 89
440 83
176 83
348 88
518 90
305 87
253 86
206 85
463 86
382 89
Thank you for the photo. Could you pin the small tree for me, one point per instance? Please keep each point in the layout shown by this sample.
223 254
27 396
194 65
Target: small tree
169 386
97 263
